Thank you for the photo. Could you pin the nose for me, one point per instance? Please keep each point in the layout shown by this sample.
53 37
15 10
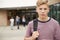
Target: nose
43 11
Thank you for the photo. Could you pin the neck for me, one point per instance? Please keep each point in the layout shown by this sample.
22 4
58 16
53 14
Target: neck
43 19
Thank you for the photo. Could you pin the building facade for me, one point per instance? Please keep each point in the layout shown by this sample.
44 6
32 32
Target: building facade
28 11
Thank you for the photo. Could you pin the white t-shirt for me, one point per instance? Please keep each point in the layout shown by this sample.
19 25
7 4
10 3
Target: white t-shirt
17 19
11 22
23 20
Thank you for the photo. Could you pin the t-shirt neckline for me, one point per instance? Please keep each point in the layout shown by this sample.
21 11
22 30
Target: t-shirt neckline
44 21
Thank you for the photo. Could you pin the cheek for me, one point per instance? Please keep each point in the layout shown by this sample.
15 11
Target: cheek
47 11
37 11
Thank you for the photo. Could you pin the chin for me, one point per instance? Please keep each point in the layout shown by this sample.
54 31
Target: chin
43 16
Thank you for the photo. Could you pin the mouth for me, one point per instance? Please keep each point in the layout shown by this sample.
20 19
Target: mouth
43 14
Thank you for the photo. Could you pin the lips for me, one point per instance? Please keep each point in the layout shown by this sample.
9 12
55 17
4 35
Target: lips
43 14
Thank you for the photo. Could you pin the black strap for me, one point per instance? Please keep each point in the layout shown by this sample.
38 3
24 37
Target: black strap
35 25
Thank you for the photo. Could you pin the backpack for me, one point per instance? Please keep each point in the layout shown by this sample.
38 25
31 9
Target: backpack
35 25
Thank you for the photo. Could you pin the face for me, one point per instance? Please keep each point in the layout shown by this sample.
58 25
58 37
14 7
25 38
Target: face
42 10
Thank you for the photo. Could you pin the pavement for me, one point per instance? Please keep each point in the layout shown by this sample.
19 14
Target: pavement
16 34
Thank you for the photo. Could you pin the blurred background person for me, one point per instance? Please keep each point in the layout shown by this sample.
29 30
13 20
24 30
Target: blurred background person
23 21
12 23
17 21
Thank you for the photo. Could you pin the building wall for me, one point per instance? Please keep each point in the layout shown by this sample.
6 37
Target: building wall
3 18
53 1
15 3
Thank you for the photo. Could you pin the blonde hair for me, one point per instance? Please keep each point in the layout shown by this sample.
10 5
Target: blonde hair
40 2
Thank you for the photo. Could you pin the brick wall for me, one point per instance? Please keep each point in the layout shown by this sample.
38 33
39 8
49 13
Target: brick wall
3 18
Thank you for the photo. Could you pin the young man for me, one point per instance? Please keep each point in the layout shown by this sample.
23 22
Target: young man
48 28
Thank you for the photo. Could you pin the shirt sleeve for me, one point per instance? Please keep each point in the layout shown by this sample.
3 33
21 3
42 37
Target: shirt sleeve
28 31
57 31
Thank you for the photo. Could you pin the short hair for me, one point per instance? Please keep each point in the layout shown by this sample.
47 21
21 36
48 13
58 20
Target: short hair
41 2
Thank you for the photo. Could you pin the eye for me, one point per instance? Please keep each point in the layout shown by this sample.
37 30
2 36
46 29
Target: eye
45 8
40 8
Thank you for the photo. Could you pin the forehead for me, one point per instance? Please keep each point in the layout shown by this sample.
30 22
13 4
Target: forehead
43 6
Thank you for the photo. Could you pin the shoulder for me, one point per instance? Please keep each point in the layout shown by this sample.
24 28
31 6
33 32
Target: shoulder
13 19
10 19
55 22
31 22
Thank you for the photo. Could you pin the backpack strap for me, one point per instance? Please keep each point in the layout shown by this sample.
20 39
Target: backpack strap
35 25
